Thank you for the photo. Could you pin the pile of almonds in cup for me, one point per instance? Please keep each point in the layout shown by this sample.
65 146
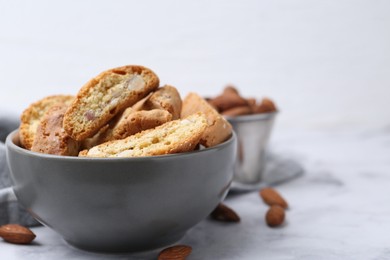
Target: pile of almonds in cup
231 103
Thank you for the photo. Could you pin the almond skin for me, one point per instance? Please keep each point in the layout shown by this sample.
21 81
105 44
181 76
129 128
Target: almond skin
266 106
227 100
224 213
16 234
272 197
178 252
275 216
237 111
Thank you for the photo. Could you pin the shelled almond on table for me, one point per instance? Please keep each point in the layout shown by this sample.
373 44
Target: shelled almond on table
16 234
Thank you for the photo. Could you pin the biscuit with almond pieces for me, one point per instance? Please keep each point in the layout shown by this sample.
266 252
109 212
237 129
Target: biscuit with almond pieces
51 138
167 98
138 121
218 130
181 135
106 95
31 117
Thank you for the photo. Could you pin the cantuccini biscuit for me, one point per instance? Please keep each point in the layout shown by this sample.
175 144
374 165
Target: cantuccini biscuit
100 99
167 98
51 138
175 136
31 117
130 122
137 121
218 130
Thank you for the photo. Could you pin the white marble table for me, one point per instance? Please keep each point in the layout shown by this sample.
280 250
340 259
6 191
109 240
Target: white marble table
339 208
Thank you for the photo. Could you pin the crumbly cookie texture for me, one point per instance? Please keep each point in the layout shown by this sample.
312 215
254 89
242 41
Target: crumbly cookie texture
218 130
106 95
166 98
51 138
175 136
32 116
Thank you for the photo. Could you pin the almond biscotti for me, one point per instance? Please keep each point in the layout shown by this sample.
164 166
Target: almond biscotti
32 116
176 136
51 138
218 130
136 121
100 99
128 123
167 98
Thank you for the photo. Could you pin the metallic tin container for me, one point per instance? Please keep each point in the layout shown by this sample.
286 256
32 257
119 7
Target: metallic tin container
253 133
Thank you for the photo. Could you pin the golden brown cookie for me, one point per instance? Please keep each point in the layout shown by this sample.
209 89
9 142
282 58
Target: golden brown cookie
175 136
166 98
138 121
130 122
218 129
106 95
31 117
51 138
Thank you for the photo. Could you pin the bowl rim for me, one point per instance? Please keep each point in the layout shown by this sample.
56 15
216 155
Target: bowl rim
252 117
9 143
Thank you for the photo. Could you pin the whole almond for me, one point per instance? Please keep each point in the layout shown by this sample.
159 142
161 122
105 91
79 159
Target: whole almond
178 252
227 100
224 213
272 197
275 216
266 106
230 89
16 234
237 111
252 104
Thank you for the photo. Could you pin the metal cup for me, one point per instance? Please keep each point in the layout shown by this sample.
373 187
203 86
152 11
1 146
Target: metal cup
253 132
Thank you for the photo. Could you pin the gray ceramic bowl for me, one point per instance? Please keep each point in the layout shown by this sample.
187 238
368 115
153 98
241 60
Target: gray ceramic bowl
124 204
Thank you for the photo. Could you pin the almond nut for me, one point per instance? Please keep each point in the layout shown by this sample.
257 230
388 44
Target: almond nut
228 100
266 106
272 197
252 103
224 213
237 111
230 89
16 234
178 252
275 216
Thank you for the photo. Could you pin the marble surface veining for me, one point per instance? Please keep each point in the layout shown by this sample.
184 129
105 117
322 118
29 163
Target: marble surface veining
338 209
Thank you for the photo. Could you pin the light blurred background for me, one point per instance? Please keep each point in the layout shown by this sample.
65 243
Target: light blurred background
326 64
